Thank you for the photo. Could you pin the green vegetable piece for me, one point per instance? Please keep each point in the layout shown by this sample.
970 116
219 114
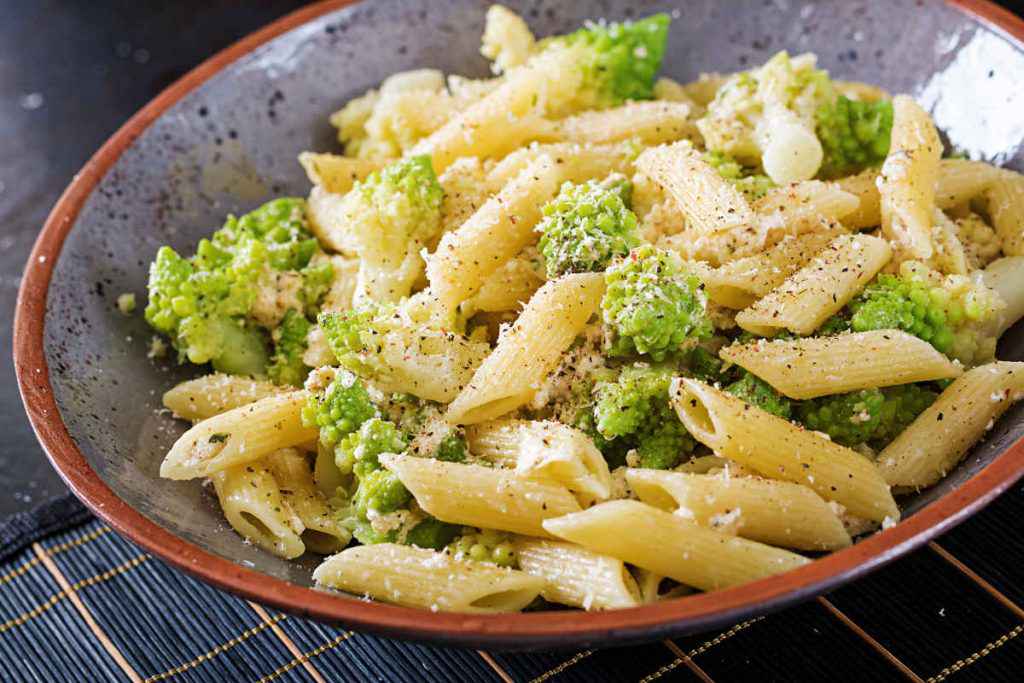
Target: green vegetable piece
870 416
853 135
653 304
286 366
340 411
747 180
585 227
379 491
452 448
899 303
359 451
757 392
432 533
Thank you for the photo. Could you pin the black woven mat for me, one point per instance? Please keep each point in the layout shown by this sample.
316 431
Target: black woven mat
77 602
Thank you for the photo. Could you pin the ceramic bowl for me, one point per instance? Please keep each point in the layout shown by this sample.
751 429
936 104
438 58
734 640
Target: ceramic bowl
225 138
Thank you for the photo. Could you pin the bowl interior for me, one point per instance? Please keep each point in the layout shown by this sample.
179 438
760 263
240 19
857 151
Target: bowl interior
232 144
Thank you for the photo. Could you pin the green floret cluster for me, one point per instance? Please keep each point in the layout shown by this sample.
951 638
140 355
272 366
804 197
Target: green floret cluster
485 545
377 490
585 227
452 448
853 135
619 60
633 412
432 533
203 303
870 416
407 187
755 391
652 304
747 180
358 451
342 409
286 366
355 336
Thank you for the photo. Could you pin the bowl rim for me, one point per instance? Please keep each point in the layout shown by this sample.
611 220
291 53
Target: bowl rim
561 628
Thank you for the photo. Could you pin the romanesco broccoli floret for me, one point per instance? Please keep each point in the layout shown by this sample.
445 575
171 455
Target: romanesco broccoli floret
205 303
286 366
391 216
652 304
619 60
870 416
340 410
452 448
853 135
378 491
634 410
704 365
765 117
747 180
585 227
359 451
432 533
485 545
755 391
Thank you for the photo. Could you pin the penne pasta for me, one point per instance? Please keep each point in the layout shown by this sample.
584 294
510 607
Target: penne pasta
529 349
488 498
508 288
653 123
239 436
908 178
940 436
576 162
254 507
671 546
323 531
557 452
499 230
415 577
209 395
1005 277
576 576
495 441
710 202
808 297
335 173
798 208
820 366
774 512
1006 206
778 449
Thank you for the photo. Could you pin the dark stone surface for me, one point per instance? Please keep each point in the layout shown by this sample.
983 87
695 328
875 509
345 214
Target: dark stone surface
70 74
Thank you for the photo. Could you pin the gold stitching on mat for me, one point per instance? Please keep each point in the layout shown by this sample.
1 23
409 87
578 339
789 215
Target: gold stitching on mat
240 638
563 666
967 661
289 644
725 635
338 640
86 615
60 595
15 573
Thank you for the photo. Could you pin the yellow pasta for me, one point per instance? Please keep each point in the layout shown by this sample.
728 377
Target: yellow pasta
819 366
576 162
778 449
508 288
209 395
239 436
499 230
940 436
653 123
415 577
576 576
822 287
908 178
323 532
529 349
671 546
1005 276
710 202
254 507
798 208
335 173
1006 206
775 512
551 450
488 498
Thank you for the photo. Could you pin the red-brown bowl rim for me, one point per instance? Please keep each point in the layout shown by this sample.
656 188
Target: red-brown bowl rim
562 628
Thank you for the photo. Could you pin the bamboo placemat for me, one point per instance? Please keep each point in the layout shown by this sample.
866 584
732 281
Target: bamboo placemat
78 602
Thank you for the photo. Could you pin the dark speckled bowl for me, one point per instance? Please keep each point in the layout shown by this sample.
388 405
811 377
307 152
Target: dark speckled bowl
225 138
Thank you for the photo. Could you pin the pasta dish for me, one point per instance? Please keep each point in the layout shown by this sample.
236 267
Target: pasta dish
578 334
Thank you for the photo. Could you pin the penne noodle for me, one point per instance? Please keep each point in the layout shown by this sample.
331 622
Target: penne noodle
529 349
416 577
554 451
254 507
908 178
820 366
798 208
499 230
778 449
576 576
323 531
774 512
576 162
496 441
710 202
335 173
671 546
488 498
653 123
1005 276
508 288
209 395
239 436
1006 207
940 436
821 288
